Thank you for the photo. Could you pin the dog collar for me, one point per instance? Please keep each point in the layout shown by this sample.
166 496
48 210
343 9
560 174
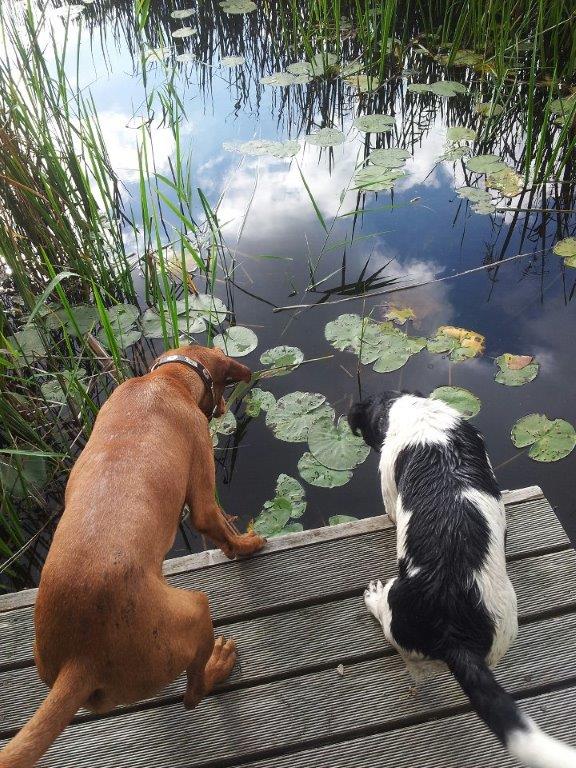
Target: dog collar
200 369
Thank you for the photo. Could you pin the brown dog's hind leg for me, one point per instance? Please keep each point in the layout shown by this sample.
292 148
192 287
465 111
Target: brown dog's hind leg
205 514
218 668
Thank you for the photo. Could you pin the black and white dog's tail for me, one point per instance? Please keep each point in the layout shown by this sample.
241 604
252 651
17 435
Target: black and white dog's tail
517 732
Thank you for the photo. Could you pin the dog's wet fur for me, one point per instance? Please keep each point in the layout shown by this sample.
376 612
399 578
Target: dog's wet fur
452 604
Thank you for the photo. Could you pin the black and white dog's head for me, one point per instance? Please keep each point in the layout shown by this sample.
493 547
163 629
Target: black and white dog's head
370 416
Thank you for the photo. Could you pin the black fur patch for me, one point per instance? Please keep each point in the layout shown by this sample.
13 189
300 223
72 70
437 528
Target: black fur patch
370 416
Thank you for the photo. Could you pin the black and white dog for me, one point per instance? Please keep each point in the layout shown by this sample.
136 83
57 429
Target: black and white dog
452 603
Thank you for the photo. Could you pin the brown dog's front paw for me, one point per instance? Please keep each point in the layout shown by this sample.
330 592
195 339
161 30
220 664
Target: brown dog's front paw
247 543
221 663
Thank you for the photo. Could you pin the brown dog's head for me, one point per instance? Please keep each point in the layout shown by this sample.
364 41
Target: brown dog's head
223 369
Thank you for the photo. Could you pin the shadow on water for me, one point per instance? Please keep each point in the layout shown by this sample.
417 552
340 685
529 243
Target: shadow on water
299 233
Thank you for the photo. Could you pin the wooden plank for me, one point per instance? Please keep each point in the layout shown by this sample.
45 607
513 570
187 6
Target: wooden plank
455 742
375 694
280 543
336 569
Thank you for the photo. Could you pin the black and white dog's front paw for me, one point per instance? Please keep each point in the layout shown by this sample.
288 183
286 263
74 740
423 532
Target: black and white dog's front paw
374 597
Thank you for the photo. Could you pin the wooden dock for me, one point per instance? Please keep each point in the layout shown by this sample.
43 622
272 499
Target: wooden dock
317 686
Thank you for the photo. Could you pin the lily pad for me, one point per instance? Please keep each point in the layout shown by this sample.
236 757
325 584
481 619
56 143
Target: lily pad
334 445
566 249
122 319
85 318
515 370
258 400
506 181
326 137
236 341
480 199
152 324
363 83
232 61
345 332
460 133
323 62
184 13
375 123
339 519
455 153
299 68
400 315
184 32
443 88
389 158
259 147
223 425
283 79
282 360
374 178
53 392
459 398
461 343
317 474
292 415
549 440
211 308
237 6
289 503
22 475
487 109
485 164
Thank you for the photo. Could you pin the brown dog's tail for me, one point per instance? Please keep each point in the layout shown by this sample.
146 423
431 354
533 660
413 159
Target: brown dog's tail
65 698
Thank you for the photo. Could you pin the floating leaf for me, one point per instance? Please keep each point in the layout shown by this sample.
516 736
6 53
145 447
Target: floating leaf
85 317
208 307
339 519
284 79
232 61
389 158
459 342
122 319
460 133
444 88
258 400
223 425
461 58
23 475
289 503
292 415
399 315
363 83
488 109
375 123
456 153
300 68
506 181
184 32
322 63
549 440
349 68
485 164
237 6
345 332
282 360
459 398
52 390
258 147
566 249
184 58
317 474
158 53
334 445
236 341
374 178
480 199
182 14
515 370
29 342
326 137
563 106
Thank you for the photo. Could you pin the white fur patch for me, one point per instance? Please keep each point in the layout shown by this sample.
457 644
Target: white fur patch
536 749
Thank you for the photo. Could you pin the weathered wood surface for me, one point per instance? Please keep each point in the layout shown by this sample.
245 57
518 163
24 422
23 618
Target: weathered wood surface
297 614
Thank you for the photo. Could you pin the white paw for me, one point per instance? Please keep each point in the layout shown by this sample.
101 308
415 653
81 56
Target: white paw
373 597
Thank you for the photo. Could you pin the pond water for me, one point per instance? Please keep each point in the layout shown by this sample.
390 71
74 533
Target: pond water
289 237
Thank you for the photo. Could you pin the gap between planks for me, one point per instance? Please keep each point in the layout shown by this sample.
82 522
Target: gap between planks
210 557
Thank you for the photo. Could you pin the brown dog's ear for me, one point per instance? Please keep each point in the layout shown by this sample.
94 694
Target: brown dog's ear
235 371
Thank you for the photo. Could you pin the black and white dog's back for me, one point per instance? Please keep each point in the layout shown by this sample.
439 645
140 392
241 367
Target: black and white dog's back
452 603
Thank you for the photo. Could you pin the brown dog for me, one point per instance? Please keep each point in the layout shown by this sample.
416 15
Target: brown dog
109 629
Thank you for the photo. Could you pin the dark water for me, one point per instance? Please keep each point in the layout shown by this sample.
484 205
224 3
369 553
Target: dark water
524 307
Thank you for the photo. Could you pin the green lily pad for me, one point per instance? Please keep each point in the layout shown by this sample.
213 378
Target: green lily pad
480 199
485 164
459 398
443 88
395 351
374 178
53 392
282 360
292 415
566 249
334 445
326 137
487 109
232 61
85 317
400 315
375 123
460 133
223 425
237 6
461 343
300 68
283 79
289 503
389 158
549 440
513 373
363 83
24 474
236 341
259 147
506 181
345 332
339 519
29 342
182 14
184 32
317 474
122 319
258 400
152 324
210 308
349 68
456 153
322 63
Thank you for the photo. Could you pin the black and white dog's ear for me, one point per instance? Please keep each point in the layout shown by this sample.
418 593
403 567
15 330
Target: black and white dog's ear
370 417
